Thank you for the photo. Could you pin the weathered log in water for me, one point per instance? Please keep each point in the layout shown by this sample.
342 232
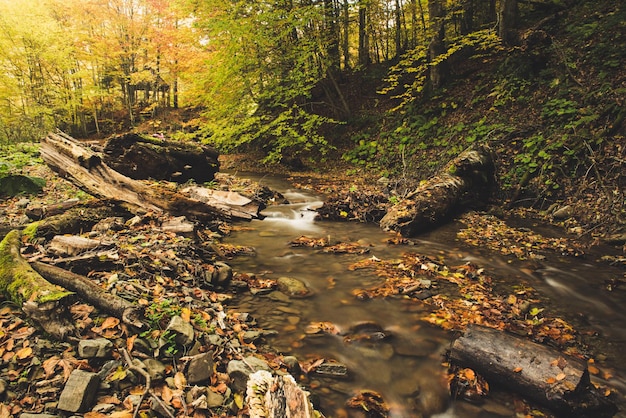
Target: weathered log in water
467 179
86 169
536 372
44 302
141 157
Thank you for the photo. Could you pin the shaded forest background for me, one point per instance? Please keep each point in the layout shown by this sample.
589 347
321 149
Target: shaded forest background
393 87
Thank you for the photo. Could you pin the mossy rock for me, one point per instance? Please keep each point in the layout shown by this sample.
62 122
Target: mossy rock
15 184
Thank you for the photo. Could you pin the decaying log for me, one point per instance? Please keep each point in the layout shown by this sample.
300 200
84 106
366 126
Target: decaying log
73 221
537 372
277 397
91 293
141 157
44 302
243 207
467 178
37 213
89 173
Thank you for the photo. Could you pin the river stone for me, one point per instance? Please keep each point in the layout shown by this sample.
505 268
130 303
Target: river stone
279 297
293 365
97 348
251 336
563 213
214 399
79 392
155 368
332 369
200 368
181 329
240 370
293 287
222 274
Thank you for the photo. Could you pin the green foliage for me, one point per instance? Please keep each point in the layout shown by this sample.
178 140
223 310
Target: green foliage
14 157
289 133
409 75
160 312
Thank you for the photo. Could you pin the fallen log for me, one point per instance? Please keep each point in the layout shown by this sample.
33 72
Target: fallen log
467 178
537 372
37 213
92 293
44 302
141 157
87 170
73 221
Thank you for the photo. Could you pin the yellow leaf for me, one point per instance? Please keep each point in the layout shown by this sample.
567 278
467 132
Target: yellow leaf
179 381
185 314
239 400
24 353
119 374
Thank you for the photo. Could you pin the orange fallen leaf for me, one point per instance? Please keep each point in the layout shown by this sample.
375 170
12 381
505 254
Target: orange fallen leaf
24 353
517 369
110 322
550 380
593 370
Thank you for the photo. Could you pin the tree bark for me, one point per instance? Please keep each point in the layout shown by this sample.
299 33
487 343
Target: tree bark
98 179
141 157
537 372
467 178
508 16
91 293
44 302
437 47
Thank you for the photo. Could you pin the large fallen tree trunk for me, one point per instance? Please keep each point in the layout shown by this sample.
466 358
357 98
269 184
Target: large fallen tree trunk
536 372
141 157
467 178
91 293
86 169
44 302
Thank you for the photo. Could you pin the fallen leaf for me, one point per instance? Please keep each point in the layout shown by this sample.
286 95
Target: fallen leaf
550 380
560 376
517 370
109 323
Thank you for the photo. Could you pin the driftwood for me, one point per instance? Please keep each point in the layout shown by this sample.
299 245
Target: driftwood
86 169
537 372
44 302
91 293
277 397
467 178
141 157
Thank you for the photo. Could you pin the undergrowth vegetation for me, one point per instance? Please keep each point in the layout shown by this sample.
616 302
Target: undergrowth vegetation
552 107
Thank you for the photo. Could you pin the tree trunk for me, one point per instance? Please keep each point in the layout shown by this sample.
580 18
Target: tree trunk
364 47
437 47
44 302
508 17
535 371
468 177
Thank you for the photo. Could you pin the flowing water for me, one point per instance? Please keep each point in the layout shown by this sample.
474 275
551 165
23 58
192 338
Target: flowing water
405 369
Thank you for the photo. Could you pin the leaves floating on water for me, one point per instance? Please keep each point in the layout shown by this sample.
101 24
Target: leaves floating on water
493 233
370 402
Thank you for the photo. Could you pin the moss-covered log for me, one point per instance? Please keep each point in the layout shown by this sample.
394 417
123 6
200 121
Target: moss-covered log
467 179
74 221
44 302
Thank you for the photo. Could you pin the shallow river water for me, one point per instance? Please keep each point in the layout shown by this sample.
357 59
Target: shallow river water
406 368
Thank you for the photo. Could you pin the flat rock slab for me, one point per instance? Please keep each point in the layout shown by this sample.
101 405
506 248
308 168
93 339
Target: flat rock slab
79 391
